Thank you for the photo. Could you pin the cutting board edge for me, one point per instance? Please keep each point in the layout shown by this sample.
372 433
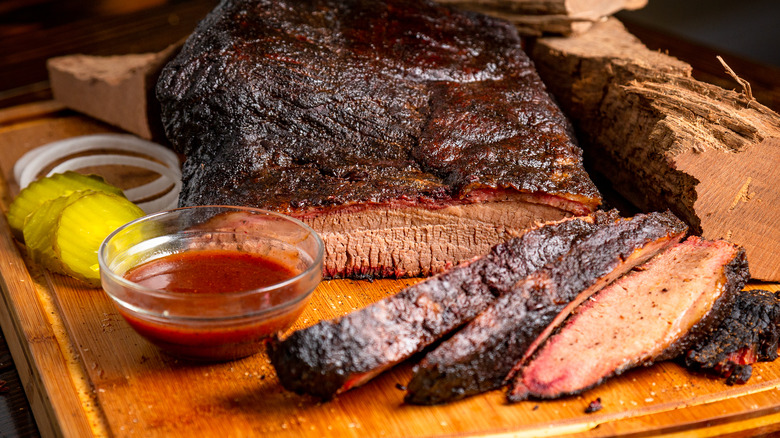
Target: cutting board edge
55 421
33 344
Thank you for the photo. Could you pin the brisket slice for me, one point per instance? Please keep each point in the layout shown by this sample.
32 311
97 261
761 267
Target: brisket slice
651 314
418 115
749 334
478 357
336 355
419 241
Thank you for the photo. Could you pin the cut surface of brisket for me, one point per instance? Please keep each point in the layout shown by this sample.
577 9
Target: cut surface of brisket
420 116
479 356
749 334
653 313
336 355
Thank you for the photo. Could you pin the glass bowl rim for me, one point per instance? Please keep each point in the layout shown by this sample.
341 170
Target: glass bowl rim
158 293
194 320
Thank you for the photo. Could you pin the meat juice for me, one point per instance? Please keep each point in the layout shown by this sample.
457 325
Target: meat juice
213 271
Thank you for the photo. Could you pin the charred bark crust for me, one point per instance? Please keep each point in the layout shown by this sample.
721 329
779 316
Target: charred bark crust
749 334
302 105
333 356
481 355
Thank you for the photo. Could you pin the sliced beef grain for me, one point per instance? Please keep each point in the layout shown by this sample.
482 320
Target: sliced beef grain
654 313
478 357
334 356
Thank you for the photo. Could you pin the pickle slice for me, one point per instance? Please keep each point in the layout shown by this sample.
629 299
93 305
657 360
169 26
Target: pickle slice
38 229
51 187
81 228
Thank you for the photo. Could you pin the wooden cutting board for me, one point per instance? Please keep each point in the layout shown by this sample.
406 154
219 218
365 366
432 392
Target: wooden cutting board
86 373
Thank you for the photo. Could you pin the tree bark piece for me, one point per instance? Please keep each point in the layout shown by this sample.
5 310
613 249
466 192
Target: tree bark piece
665 140
549 17
118 90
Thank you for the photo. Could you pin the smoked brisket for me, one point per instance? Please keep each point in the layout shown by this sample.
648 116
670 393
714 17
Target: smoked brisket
334 356
410 135
749 334
653 313
479 356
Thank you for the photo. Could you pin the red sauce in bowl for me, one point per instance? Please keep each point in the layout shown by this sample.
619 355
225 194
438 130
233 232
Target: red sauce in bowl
213 272
210 271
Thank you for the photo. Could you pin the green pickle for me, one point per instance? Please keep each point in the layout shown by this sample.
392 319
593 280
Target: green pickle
64 233
38 231
48 188
81 228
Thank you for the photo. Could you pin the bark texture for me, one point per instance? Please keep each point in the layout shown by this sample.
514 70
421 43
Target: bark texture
749 334
323 108
336 355
479 357
666 140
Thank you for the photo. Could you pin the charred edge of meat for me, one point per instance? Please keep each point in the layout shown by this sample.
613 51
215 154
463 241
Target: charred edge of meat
479 357
594 406
296 105
749 334
336 355
737 275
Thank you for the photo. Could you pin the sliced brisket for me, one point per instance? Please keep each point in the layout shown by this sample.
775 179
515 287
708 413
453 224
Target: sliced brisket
478 357
334 356
749 334
410 135
653 313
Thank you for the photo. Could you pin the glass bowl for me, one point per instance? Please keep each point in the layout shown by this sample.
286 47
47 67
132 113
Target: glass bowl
200 321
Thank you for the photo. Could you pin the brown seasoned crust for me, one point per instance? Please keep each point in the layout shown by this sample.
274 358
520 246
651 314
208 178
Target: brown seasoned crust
750 333
479 357
334 356
317 104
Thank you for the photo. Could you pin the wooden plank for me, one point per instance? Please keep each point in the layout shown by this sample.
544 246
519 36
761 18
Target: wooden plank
668 141
73 348
118 90
33 341
549 17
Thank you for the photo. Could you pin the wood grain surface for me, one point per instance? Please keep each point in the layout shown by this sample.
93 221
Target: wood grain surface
88 373
666 140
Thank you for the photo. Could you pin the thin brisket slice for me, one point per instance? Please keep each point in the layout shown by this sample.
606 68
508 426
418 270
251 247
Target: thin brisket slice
479 356
652 314
749 334
334 356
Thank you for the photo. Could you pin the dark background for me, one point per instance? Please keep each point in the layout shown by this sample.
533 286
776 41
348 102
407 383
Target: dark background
746 33
748 28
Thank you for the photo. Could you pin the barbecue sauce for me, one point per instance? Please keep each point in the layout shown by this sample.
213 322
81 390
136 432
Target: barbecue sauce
210 271
213 272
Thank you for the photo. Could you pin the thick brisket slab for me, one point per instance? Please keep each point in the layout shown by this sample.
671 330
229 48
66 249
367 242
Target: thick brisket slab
327 107
654 313
749 334
479 356
334 356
